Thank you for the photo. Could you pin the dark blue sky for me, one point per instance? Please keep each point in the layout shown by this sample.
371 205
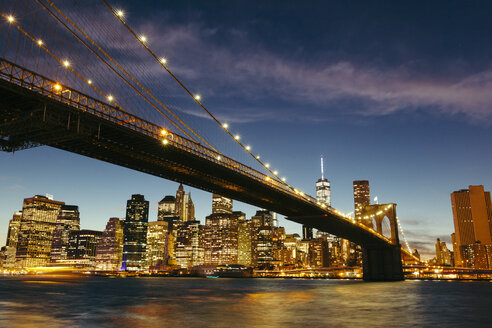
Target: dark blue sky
397 92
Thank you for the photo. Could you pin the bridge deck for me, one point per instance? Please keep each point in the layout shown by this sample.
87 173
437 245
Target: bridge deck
35 112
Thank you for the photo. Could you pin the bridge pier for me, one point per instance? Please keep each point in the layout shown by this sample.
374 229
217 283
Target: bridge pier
382 263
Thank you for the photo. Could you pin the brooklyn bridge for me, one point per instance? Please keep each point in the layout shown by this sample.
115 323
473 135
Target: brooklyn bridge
70 82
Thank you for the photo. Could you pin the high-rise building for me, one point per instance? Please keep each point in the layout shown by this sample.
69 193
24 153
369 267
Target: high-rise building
221 204
109 251
472 216
166 208
444 257
220 240
68 220
188 244
12 239
323 195
157 245
362 197
185 208
135 234
262 246
245 240
323 188
82 246
39 215
318 252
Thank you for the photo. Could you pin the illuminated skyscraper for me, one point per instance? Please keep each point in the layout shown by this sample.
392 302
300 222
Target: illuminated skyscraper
39 215
68 220
220 240
221 204
12 239
323 188
166 208
189 244
262 245
157 245
82 247
109 252
443 254
362 196
245 240
323 195
185 209
472 216
135 234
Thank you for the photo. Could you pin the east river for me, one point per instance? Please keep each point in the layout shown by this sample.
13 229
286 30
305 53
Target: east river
31 301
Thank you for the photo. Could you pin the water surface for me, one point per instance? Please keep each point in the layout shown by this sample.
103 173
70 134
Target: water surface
196 302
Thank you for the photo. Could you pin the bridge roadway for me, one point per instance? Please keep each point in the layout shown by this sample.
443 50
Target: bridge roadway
35 110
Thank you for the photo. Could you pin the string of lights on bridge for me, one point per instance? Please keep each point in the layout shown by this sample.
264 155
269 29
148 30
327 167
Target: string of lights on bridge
164 133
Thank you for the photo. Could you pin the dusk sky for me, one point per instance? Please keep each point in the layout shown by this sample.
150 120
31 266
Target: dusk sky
395 92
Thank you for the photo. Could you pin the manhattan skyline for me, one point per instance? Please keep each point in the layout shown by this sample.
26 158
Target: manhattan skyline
388 106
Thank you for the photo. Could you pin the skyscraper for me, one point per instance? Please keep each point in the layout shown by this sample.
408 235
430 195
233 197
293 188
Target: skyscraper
82 247
185 208
323 195
166 208
362 197
245 239
109 251
68 220
262 246
472 216
135 234
188 244
157 245
12 239
39 215
323 188
221 204
220 240
443 254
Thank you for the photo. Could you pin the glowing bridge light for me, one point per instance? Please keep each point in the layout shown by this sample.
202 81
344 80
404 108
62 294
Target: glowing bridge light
66 63
10 18
267 178
165 142
267 165
40 42
219 158
248 147
225 125
198 97
120 13
275 172
257 156
163 132
89 81
163 60
143 38
110 98
237 137
57 87
283 179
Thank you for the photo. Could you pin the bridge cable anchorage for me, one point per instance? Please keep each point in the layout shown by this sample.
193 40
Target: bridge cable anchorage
196 99
57 86
120 67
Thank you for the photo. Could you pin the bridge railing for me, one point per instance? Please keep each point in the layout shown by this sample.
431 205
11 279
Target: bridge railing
44 86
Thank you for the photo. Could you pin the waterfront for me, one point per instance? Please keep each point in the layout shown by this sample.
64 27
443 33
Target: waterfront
37 301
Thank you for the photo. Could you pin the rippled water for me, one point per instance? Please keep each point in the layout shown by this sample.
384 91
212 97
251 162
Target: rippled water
190 302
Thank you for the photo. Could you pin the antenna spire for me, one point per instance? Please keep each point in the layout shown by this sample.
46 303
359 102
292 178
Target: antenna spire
322 173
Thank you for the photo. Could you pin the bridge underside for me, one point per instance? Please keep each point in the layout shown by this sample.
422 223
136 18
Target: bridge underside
28 119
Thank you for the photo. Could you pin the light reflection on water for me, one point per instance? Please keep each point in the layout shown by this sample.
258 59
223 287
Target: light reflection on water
27 302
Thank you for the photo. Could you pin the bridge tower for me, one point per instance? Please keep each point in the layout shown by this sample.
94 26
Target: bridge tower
382 262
